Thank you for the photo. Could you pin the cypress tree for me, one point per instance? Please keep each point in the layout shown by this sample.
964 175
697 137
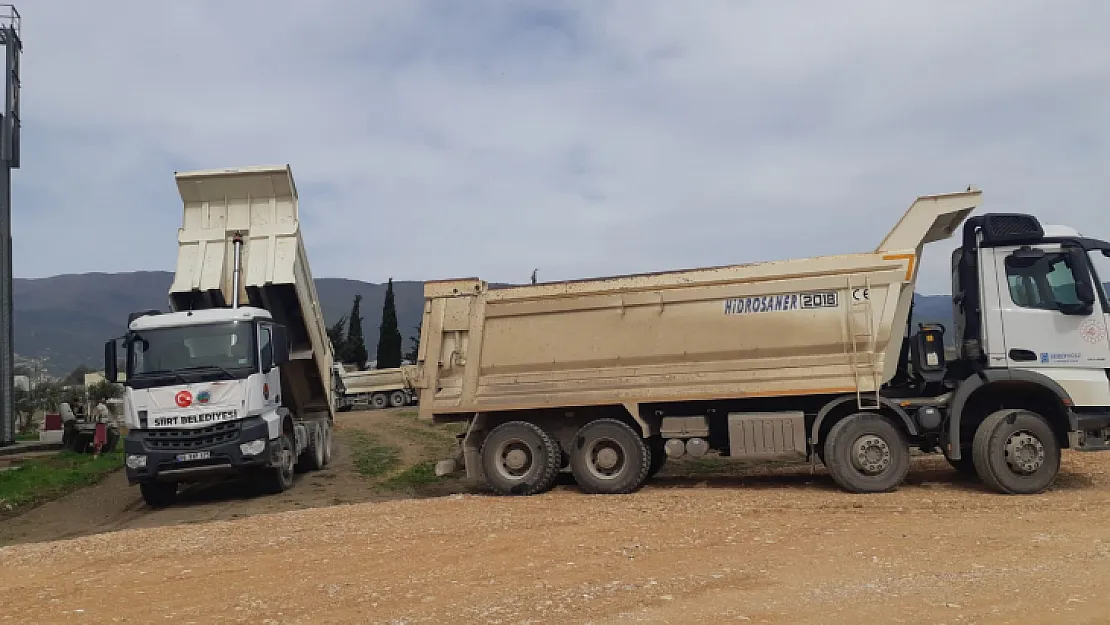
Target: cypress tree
356 344
338 339
389 336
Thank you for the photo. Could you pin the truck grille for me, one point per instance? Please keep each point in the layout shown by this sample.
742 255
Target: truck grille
180 439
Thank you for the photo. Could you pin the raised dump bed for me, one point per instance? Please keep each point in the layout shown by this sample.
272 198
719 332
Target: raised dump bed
815 326
261 204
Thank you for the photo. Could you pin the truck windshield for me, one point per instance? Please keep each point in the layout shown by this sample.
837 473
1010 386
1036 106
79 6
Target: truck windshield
212 351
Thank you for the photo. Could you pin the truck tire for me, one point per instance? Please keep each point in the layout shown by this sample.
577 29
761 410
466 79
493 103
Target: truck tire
158 494
609 457
520 458
379 400
397 399
279 479
658 455
313 457
327 445
866 453
1016 452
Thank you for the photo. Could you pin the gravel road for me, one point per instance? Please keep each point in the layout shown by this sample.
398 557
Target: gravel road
779 546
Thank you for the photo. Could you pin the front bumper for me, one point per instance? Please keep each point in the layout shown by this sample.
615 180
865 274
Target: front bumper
162 448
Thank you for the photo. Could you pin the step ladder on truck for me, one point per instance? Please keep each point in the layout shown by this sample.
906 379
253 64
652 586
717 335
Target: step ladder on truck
236 380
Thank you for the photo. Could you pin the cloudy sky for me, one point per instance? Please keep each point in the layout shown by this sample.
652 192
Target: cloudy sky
434 139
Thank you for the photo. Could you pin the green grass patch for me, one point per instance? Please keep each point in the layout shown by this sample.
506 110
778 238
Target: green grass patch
434 438
371 458
42 479
413 478
29 436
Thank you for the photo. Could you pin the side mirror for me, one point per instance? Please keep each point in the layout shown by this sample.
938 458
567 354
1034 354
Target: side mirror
110 361
1084 288
281 345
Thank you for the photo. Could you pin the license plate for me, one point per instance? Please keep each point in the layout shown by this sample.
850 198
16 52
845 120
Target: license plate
194 455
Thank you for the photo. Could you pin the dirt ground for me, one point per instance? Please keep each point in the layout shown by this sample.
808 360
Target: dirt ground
114 505
724 546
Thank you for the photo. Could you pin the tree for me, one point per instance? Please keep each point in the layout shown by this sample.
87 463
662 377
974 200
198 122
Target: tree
338 338
389 337
414 351
77 376
48 395
23 404
102 391
355 343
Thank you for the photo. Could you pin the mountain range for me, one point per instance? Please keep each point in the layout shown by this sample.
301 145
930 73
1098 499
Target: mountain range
66 319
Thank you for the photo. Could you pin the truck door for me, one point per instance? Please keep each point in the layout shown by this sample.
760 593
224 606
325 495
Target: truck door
1035 290
271 384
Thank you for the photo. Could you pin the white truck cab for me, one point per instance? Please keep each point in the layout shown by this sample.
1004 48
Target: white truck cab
1031 335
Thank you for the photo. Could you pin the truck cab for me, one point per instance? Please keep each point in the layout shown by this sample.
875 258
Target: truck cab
203 396
1031 334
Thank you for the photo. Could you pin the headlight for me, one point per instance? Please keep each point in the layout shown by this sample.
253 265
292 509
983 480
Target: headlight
135 462
253 448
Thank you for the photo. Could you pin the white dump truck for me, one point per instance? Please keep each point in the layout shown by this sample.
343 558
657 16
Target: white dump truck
811 358
236 380
374 388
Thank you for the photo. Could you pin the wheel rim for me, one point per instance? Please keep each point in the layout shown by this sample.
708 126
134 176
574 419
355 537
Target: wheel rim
380 401
871 454
1024 453
605 458
514 459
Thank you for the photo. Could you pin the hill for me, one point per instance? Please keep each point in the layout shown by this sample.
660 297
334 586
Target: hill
67 318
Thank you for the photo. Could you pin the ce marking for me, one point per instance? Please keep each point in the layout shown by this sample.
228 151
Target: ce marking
861 294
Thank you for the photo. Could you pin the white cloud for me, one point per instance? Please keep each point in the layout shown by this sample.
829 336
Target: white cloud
442 139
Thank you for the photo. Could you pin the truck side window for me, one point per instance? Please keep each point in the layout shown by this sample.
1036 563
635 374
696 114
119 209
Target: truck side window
1043 285
266 349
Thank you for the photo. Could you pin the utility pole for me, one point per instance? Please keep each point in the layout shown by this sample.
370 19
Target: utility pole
10 27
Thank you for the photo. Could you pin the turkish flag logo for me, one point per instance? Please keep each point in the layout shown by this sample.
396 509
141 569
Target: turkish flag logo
183 399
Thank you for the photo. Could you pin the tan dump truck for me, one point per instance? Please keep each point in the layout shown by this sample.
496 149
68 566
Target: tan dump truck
374 388
811 358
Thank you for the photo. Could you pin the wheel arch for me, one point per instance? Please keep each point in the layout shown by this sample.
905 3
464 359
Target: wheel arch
846 405
981 395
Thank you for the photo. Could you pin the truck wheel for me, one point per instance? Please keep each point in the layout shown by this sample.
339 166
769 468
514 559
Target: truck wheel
397 399
866 453
280 478
313 457
1016 452
379 400
327 444
519 458
609 457
158 494
658 455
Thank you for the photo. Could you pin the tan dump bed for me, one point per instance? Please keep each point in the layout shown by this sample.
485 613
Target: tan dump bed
378 380
825 325
261 204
